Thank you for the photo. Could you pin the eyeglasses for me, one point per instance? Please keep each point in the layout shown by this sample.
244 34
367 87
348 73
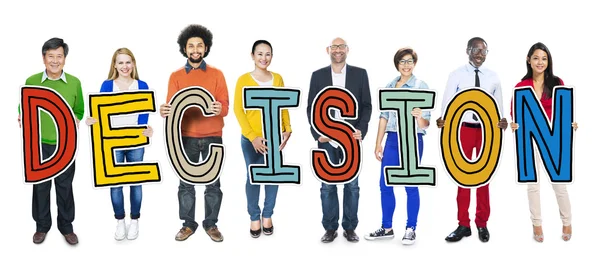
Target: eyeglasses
476 51
340 46
409 62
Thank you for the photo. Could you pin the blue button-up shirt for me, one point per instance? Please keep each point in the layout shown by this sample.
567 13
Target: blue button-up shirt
188 66
390 116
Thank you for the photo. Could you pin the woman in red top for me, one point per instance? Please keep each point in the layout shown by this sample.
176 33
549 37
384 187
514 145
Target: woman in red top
540 77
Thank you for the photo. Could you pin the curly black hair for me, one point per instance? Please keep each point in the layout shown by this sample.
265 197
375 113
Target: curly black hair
192 31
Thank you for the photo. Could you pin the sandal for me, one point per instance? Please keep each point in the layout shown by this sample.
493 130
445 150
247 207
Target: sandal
566 236
540 237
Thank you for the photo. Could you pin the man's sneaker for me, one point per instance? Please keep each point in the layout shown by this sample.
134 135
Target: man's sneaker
380 234
121 232
409 237
132 232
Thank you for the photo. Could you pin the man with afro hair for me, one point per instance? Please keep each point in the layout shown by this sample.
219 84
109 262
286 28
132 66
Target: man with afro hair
199 131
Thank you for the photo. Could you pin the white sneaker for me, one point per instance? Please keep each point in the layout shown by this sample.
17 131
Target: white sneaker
409 237
133 229
121 232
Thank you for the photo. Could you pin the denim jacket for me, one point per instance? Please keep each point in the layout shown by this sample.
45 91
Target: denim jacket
390 116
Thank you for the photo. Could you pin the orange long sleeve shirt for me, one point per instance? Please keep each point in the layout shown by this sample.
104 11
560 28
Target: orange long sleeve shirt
194 123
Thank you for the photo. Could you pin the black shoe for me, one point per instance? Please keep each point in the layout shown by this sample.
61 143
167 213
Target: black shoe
351 236
255 233
459 233
484 234
268 230
380 234
329 236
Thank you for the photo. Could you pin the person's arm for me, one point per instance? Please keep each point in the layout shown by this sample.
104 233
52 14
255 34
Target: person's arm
498 97
423 122
312 93
143 118
172 89
285 115
222 95
79 107
383 120
365 108
240 114
449 91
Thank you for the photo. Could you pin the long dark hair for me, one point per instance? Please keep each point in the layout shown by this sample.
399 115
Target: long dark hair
549 79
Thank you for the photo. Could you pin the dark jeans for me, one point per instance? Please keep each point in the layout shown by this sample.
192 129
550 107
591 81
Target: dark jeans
64 199
329 197
213 196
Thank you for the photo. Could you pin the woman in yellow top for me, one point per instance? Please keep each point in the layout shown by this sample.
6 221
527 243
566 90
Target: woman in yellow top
253 142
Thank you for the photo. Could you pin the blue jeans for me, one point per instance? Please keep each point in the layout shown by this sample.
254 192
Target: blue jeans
329 197
253 191
391 157
135 191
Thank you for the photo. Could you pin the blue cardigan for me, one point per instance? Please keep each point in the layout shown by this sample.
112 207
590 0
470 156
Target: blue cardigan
107 86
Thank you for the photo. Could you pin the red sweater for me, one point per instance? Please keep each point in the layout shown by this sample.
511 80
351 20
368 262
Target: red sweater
194 123
546 102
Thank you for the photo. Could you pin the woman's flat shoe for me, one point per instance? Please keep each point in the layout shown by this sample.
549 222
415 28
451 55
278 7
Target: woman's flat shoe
268 230
255 233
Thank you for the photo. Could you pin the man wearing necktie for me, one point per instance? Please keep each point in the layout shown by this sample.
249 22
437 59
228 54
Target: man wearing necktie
466 76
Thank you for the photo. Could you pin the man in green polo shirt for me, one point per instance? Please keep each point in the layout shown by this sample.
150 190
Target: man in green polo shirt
54 53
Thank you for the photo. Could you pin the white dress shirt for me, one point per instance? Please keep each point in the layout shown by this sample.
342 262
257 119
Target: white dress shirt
464 77
338 79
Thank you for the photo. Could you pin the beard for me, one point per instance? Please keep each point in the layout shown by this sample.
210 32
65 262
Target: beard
336 60
192 60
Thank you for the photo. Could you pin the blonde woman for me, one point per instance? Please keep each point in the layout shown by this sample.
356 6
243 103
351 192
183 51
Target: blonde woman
123 76
253 143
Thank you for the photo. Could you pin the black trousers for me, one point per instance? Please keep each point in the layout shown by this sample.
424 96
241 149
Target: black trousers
64 199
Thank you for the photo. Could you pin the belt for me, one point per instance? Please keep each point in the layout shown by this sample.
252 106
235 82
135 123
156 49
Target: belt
471 125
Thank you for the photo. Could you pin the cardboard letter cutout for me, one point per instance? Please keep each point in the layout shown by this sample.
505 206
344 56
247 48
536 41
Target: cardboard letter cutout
402 101
34 101
464 172
339 131
554 144
270 101
106 139
192 172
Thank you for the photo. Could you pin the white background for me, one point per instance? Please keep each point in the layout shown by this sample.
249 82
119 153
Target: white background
299 32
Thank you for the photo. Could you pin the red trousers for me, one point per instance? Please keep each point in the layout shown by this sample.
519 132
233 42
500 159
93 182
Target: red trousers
470 137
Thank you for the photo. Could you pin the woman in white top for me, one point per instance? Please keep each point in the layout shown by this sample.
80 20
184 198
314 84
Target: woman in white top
123 76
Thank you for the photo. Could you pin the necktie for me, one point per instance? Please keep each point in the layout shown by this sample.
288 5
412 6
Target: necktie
476 85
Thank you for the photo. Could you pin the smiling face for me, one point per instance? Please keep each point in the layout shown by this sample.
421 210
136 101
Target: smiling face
406 65
54 60
195 50
262 56
338 50
538 61
124 65
477 53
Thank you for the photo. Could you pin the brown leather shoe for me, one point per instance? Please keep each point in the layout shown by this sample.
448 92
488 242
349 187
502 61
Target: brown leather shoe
214 234
71 239
39 237
184 233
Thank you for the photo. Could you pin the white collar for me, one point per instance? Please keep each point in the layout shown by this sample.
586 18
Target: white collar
62 77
